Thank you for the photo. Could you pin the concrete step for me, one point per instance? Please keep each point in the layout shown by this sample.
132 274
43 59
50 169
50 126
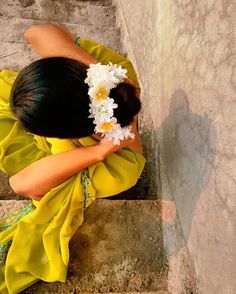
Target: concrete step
15 56
97 2
16 53
118 248
5 191
79 12
11 30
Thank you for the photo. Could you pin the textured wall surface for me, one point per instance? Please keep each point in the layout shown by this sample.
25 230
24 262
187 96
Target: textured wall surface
184 52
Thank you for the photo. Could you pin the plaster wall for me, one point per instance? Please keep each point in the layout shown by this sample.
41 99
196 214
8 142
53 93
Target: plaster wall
184 54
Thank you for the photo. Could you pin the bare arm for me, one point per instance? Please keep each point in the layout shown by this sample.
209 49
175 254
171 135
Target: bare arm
52 40
38 178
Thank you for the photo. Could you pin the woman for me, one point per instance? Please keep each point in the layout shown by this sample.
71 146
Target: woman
52 154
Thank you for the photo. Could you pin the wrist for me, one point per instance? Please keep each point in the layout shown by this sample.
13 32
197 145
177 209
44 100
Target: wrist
103 151
107 147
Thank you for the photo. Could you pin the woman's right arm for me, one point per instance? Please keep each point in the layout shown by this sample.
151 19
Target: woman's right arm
38 178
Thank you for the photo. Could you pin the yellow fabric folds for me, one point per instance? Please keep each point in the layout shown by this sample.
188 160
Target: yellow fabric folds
35 245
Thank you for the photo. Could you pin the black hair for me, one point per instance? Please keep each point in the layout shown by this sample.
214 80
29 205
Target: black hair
50 98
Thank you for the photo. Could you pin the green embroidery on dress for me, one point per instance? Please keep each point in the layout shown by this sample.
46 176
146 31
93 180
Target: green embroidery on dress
88 189
84 176
77 40
129 149
9 220
4 248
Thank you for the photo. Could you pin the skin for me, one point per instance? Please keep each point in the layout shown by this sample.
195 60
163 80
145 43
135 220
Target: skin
31 181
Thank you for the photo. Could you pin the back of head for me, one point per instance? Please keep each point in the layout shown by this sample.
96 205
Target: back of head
50 98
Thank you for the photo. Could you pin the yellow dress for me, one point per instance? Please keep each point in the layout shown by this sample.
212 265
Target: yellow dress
34 240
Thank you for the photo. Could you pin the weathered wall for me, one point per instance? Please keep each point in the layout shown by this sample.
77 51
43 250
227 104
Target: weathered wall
184 53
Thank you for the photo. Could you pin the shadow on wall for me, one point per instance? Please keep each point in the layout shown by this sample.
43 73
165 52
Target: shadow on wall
187 149
188 152
148 186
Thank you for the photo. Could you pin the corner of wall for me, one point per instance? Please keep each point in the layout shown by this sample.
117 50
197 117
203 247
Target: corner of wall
181 276
126 43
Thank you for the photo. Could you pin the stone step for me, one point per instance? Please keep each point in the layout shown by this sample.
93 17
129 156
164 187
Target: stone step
71 11
5 191
13 30
97 2
16 55
118 248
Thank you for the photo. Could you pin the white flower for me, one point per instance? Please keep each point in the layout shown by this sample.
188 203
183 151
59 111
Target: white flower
99 93
127 132
104 111
118 72
119 133
98 73
92 110
106 126
101 79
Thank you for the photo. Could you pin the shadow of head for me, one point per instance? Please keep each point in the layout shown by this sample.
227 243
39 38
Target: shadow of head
188 150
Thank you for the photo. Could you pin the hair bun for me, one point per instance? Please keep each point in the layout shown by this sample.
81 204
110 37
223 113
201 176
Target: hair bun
129 104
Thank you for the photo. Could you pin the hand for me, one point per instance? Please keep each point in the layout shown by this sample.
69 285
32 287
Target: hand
108 146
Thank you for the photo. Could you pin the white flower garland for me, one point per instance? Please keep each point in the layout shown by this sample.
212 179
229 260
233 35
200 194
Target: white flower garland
101 79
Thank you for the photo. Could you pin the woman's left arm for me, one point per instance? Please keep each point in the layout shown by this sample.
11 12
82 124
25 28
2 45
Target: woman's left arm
50 40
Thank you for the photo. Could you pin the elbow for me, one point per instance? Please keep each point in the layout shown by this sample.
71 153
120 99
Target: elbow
15 185
30 32
20 188
34 30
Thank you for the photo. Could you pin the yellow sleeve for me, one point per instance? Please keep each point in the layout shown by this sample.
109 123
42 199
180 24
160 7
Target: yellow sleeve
17 147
